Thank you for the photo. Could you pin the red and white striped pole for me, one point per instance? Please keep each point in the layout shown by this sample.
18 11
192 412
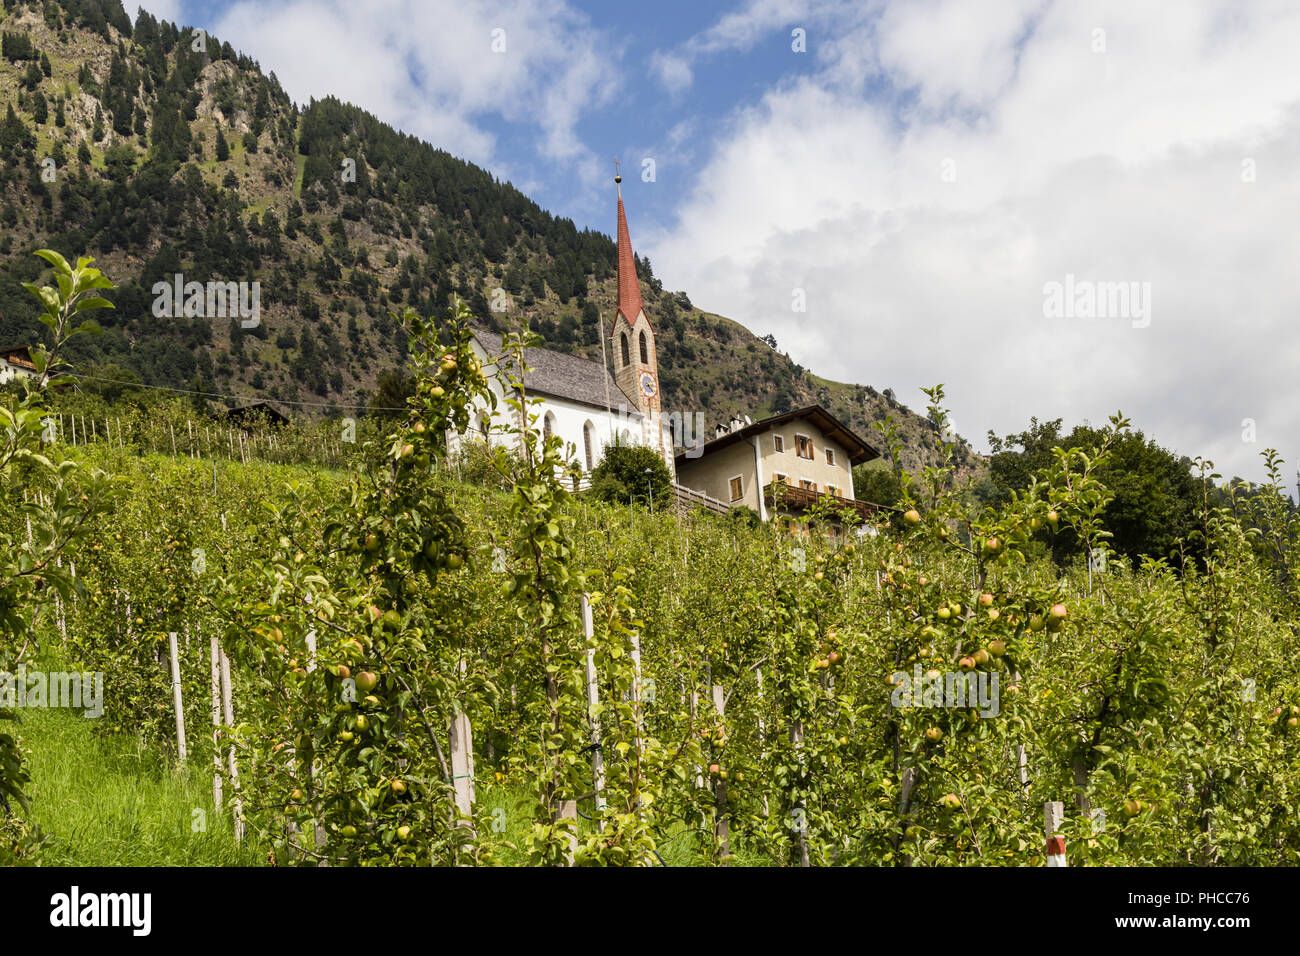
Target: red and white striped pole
1053 817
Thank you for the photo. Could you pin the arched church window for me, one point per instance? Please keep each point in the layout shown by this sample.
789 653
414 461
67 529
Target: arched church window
586 436
548 425
645 355
627 358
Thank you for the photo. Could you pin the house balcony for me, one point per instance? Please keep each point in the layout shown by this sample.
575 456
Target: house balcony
791 498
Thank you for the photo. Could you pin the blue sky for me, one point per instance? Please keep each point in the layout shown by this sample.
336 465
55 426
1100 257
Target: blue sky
894 204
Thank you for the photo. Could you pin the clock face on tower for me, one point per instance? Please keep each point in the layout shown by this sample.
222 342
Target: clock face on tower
648 385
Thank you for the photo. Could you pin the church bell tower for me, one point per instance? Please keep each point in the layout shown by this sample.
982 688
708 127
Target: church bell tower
632 343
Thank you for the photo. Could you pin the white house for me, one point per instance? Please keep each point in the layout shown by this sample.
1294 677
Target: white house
16 362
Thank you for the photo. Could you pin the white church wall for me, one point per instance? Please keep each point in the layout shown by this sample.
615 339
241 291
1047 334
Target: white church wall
568 420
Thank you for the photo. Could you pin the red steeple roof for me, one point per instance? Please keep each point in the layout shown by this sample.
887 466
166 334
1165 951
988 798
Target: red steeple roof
629 290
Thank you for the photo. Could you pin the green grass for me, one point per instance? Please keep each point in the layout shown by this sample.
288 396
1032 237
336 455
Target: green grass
113 803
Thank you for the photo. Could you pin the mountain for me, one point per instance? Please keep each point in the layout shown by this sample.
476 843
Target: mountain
161 151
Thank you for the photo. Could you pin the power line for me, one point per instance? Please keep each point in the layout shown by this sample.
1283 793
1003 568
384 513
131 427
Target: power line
238 398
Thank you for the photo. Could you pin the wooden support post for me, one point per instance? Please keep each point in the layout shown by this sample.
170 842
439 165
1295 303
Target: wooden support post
801 824
635 655
699 771
215 657
462 768
172 429
59 616
1053 817
228 706
176 695
568 810
1022 762
319 835
593 703
721 825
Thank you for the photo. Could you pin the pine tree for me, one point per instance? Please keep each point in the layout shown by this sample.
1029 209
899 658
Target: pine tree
223 148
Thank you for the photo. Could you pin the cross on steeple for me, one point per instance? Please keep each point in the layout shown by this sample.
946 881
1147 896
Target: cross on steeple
618 177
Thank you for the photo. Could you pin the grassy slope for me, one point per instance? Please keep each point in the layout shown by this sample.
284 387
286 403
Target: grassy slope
110 802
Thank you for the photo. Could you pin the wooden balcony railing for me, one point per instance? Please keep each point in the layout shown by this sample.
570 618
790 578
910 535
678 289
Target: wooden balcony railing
780 496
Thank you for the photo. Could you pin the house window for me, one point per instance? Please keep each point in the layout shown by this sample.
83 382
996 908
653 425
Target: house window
781 479
830 456
807 485
833 491
803 446
778 444
737 488
645 355
627 358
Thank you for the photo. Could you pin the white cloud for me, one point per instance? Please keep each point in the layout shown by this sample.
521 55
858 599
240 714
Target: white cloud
739 31
1115 166
169 10
674 71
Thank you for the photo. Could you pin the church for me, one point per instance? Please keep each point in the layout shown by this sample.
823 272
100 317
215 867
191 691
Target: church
786 463
582 402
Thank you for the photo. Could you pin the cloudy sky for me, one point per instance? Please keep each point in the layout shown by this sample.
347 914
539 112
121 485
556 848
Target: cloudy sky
1057 209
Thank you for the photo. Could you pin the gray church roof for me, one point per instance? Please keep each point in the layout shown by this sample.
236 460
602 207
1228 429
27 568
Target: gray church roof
562 376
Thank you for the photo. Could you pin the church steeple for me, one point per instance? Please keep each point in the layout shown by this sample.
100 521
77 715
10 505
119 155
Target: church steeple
629 289
636 367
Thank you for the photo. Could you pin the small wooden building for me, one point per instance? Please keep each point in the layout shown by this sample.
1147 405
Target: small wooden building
251 416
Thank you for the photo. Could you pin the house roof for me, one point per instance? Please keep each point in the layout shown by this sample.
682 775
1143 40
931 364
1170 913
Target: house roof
245 412
562 376
18 355
629 290
857 449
